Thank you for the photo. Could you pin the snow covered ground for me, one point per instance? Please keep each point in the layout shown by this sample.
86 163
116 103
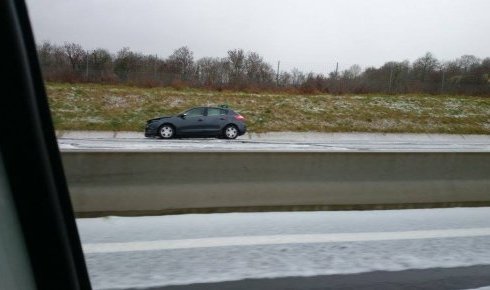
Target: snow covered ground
279 141
124 252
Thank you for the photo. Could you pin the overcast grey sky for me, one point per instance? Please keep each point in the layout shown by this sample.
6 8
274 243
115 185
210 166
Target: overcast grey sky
311 35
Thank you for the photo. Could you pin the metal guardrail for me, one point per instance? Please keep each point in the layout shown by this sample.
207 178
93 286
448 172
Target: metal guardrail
145 183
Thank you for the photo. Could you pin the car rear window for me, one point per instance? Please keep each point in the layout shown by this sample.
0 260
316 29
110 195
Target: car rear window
216 112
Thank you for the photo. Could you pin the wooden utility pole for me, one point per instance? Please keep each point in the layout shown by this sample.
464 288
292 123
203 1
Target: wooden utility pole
155 67
277 73
443 79
86 65
337 79
391 78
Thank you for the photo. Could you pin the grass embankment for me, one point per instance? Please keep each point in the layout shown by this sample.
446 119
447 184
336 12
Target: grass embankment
117 108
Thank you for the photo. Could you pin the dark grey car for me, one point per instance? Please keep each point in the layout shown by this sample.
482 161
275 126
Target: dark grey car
198 122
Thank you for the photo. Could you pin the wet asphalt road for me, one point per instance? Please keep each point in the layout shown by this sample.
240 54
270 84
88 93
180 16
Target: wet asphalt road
279 141
391 249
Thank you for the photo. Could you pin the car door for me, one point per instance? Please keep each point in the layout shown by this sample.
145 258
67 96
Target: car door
215 120
192 122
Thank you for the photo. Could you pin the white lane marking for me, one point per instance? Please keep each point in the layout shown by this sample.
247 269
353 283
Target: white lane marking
92 248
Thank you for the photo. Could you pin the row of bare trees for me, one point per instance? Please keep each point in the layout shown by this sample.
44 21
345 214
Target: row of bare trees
248 71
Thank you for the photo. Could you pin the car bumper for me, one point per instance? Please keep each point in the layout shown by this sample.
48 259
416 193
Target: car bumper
150 131
242 129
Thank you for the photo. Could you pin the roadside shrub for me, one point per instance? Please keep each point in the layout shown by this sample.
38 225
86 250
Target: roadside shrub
178 84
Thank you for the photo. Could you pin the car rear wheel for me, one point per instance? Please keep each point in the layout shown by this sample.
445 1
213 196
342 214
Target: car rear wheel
166 131
230 132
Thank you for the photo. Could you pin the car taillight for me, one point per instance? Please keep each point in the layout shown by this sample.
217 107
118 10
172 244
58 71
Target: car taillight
240 118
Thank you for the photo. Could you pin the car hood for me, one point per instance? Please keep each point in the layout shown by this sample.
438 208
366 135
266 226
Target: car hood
159 118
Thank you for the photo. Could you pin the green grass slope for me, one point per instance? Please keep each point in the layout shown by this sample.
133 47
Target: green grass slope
118 108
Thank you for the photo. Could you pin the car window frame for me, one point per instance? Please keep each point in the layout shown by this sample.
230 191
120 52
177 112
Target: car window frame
193 116
219 112
32 161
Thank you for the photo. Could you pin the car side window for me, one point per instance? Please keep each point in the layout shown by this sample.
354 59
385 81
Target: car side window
214 112
195 112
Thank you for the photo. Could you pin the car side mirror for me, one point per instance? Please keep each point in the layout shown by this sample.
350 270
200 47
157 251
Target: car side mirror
182 116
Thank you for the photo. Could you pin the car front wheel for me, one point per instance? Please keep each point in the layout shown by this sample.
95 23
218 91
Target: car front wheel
166 131
230 132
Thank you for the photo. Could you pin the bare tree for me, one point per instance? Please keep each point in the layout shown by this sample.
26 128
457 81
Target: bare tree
123 63
257 71
424 65
297 77
467 62
237 70
183 60
100 64
285 79
210 71
236 58
45 52
76 55
253 64
353 72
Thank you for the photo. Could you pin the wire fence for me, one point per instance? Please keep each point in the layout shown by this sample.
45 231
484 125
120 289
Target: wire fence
438 82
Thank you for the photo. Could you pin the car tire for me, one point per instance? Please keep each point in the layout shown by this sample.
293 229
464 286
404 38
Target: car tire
230 132
166 131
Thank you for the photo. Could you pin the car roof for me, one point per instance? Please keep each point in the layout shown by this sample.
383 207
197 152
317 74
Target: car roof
210 107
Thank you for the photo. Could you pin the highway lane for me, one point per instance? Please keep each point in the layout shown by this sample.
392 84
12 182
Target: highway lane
443 248
279 141
472 277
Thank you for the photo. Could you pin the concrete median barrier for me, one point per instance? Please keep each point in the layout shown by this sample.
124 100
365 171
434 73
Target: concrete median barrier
142 183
